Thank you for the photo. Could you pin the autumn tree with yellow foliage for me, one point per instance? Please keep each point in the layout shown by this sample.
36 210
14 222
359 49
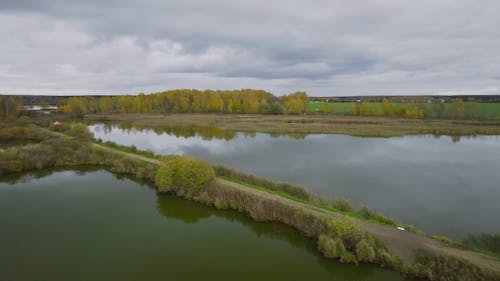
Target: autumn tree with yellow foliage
246 101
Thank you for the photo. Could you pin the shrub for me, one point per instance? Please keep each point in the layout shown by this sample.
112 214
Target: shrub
366 212
184 176
342 204
384 219
23 134
23 120
80 131
365 252
348 257
370 214
347 230
443 268
443 239
136 168
327 246
385 259
330 247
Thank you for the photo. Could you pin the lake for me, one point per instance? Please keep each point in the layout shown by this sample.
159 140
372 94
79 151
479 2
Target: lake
442 185
93 225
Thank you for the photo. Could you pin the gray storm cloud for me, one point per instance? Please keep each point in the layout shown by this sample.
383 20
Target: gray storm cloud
322 47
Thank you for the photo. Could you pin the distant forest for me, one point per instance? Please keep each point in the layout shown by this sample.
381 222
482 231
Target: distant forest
190 101
250 101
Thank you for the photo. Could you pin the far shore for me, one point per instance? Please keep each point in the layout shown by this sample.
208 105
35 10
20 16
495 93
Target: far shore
367 126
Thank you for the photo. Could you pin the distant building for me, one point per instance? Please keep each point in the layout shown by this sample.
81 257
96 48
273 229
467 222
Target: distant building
39 107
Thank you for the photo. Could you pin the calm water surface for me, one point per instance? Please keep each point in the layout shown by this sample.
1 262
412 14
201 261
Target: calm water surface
439 184
94 226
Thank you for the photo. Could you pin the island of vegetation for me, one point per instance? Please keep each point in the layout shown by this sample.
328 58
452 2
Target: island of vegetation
341 233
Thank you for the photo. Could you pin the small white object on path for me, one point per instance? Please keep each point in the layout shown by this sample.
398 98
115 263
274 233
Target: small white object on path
401 228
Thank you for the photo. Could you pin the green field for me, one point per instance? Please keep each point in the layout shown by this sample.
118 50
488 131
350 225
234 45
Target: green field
475 110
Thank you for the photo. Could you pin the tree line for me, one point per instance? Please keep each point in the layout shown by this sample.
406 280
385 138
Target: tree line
9 106
457 109
247 101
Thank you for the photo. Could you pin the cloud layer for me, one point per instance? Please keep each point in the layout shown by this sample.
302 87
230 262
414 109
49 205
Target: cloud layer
324 47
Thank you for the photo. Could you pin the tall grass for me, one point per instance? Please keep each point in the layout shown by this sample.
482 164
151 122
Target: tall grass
287 188
342 204
129 149
344 233
489 243
370 214
433 267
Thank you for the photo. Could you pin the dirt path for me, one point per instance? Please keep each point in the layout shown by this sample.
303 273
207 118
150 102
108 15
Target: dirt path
131 155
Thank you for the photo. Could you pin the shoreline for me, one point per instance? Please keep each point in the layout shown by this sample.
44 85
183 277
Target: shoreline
360 126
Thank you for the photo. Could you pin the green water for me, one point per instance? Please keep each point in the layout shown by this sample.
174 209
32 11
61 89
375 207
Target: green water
94 226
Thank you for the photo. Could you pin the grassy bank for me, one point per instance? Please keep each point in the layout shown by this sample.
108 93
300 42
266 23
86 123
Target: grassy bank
318 202
129 149
300 125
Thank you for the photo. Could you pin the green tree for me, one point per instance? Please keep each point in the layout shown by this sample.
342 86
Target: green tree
472 110
366 108
328 108
388 107
75 106
105 105
439 109
184 176
295 103
80 131
457 108
9 106
356 108
215 103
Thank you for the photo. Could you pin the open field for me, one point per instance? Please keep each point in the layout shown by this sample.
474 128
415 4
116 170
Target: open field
480 110
309 124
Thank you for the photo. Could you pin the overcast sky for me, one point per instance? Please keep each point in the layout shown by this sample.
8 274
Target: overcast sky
324 47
